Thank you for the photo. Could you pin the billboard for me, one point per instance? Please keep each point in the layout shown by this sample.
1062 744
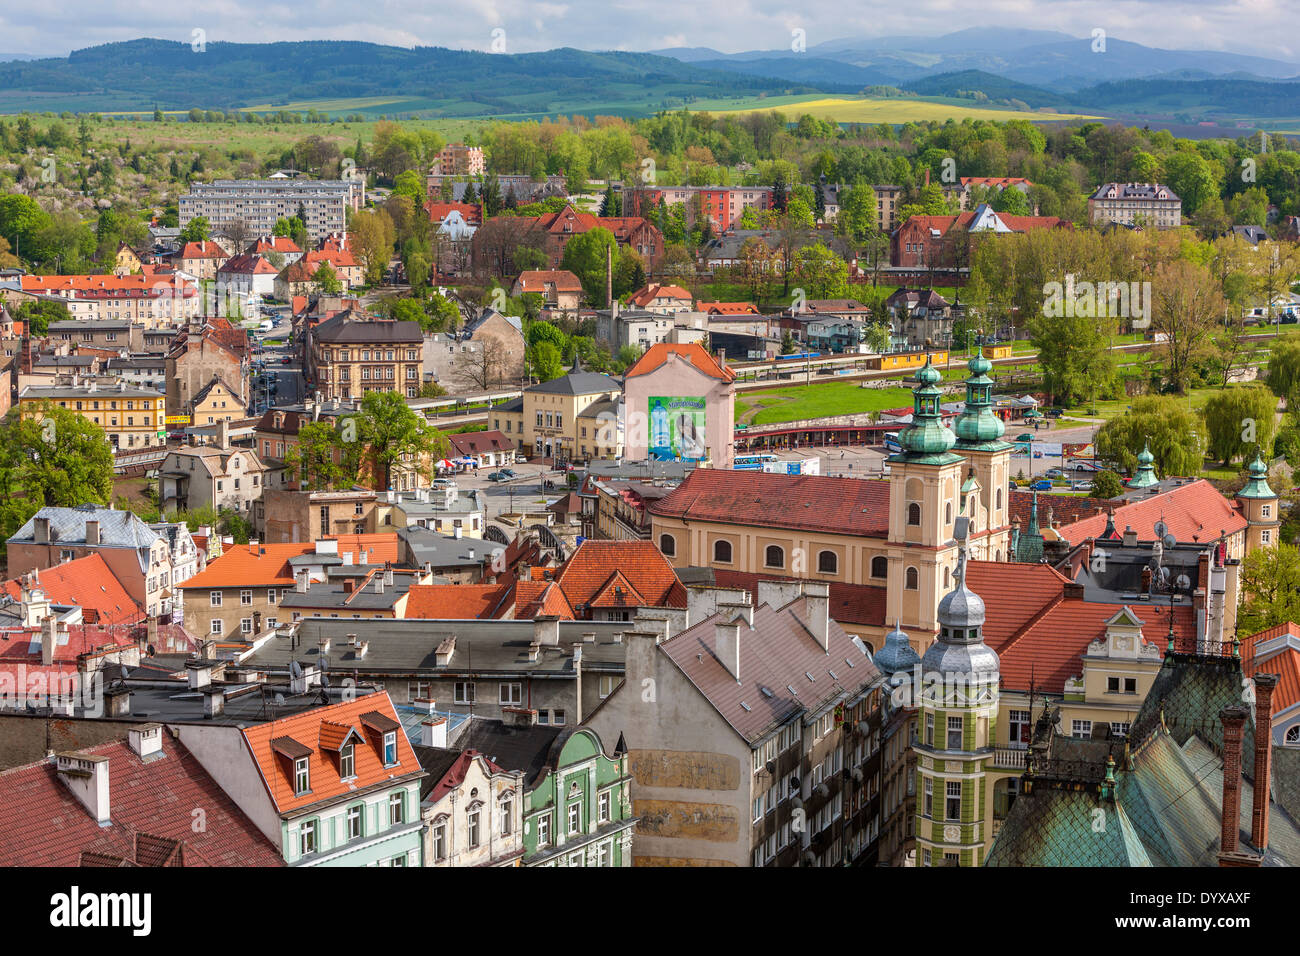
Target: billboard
676 427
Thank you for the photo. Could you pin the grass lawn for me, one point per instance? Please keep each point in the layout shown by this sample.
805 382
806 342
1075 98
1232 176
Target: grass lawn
819 400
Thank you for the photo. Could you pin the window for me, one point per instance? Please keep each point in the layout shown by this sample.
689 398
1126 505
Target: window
1265 536
668 545
354 822
544 830
1130 685
952 801
216 626
603 855
214 599
954 733
474 832
1119 729
301 776
347 761
1018 723
557 718
307 838
880 566
929 730
607 684
440 841
911 579
774 556
510 693
604 807
929 797
1112 685
396 808
575 817
507 815
722 552
390 748
1081 728
828 562
464 692
245 625
914 514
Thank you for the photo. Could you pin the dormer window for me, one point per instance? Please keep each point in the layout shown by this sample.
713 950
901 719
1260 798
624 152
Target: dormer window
347 761
390 748
301 776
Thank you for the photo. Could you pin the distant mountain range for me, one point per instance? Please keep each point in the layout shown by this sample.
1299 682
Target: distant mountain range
1036 68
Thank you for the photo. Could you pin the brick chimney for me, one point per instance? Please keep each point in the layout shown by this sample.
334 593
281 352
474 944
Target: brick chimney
49 637
87 777
1234 720
1264 685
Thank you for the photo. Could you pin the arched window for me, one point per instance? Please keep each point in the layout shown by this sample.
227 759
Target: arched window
998 555
911 583
668 545
945 577
947 512
1293 734
722 551
999 499
828 562
774 556
880 566
972 506
913 513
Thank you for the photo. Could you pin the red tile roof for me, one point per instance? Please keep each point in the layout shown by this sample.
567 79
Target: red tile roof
861 604
620 574
281 244
854 506
456 773
470 444
728 308
155 799
693 352
647 294
1194 512
536 280
268 565
1284 662
438 211
267 741
541 598
454 602
202 250
86 583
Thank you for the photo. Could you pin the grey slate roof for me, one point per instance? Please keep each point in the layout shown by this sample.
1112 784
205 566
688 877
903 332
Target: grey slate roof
117 529
349 328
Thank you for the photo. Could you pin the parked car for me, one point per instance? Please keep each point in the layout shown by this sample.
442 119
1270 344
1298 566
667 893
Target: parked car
1053 473
286 360
1081 486
1043 485
509 473
1054 412
498 476
1025 436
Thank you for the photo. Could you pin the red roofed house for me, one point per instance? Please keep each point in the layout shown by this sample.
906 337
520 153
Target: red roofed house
86 583
245 275
728 308
265 245
609 580
471 212
128 803
200 259
560 288
489 449
662 299
935 242
680 405
338 785
1277 651
552 232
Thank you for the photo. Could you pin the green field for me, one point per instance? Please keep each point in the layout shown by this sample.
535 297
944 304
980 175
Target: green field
866 109
819 400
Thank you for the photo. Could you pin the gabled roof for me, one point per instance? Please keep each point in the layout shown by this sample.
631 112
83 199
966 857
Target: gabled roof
454 602
154 799
277 744
728 308
247 264
536 280
202 250
692 352
117 529
649 293
602 573
240 566
87 583
456 765
1194 512
216 380
541 599
281 244
477 443
851 506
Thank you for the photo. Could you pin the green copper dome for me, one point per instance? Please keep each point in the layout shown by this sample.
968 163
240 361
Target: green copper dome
1145 476
927 439
978 426
1257 483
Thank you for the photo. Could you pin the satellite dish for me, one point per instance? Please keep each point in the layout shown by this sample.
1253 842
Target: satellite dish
279 700
1170 540
295 670
1161 529
1184 582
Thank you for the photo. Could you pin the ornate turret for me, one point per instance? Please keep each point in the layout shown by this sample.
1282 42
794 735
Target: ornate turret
1257 483
960 647
1145 476
927 440
897 655
978 427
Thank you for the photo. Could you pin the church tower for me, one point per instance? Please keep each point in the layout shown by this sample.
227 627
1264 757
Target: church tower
924 502
1259 504
957 728
984 489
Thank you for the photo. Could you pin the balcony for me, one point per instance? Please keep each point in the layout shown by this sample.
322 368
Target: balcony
1007 758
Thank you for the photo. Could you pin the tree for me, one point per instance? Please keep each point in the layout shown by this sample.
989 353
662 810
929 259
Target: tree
1284 371
1106 484
238 233
1270 579
371 235
1241 423
390 432
485 368
327 280
1186 307
197 229
1174 435
546 361
586 256
821 273
38 314
319 457
54 457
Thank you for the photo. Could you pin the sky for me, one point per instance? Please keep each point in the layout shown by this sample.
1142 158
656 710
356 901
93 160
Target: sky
1260 27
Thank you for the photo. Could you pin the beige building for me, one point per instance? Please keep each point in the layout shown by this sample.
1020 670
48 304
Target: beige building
1135 204
154 301
219 477
194 360
201 260
680 406
472 809
217 402
353 353
131 417
292 516
487 353
560 289
573 417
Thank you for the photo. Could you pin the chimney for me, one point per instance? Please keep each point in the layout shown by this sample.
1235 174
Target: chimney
776 594
151 632
87 777
456 532
379 584
323 646
546 630
145 740
117 701
49 637
92 533
1264 685
388 577
433 732
362 648
727 646
199 674
300 581
1233 719
446 648
518 716
41 530
817 603
1130 537
214 702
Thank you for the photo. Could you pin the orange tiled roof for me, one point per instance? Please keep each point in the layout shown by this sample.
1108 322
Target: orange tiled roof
202 250
1285 663
314 731
87 583
693 352
597 567
454 602
535 598
728 308
1194 512
242 566
647 294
